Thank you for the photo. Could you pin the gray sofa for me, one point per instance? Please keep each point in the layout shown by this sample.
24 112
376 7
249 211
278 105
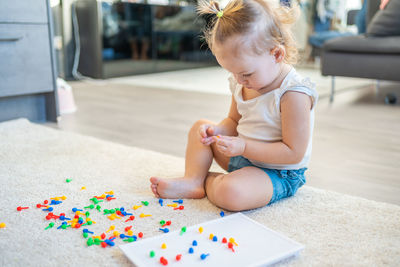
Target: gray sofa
363 56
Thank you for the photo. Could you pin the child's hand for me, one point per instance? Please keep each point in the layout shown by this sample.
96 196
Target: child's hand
230 146
207 131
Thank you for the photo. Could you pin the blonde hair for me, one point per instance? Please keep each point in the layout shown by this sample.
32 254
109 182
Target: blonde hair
268 26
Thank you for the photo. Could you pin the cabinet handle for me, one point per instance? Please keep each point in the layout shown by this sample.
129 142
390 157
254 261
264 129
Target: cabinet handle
10 39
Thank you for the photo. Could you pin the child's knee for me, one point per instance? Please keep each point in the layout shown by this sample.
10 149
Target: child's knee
197 124
226 194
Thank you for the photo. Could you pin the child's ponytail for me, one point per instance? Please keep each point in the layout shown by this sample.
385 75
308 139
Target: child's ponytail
267 26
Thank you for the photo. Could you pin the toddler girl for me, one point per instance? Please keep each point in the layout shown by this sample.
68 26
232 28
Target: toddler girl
265 141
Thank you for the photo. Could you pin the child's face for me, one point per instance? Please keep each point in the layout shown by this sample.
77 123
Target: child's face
255 72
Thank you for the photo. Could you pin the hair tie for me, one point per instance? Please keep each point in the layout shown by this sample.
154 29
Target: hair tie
220 13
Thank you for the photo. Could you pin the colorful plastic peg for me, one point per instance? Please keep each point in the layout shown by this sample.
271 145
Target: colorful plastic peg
163 261
179 208
90 242
165 230
161 201
112 227
178 257
152 254
167 223
191 250
194 243
68 180
183 230
204 256
224 240
55 202
179 201
140 235
146 203
131 218
172 205
144 215
87 231
22 208
136 207
128 228
75 210
163 246
48 209
49 226
215 239
230 245
89 207
2 225
201 229
232 240
222 214
162 222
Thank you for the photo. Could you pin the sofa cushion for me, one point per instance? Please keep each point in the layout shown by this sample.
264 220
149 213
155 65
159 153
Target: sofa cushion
386 22
363 44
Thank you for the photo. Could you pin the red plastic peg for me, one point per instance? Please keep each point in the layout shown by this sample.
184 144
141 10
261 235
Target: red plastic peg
131 218
230 245
104 244
140 234
103 236
22 208
224 240
178 257
163 261
110 198
41 206
46 201
128 228
179 208
167 223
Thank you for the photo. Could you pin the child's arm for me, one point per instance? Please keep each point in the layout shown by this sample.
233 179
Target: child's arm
228 125
295 117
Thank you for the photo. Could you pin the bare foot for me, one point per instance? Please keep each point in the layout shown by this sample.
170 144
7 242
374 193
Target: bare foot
177 188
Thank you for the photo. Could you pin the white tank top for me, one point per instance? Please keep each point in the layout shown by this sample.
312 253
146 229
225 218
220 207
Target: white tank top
261 116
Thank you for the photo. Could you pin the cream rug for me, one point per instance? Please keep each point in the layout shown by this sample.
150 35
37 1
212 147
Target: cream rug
35 161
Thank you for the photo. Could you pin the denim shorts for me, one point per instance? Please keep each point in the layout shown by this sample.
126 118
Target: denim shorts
285 182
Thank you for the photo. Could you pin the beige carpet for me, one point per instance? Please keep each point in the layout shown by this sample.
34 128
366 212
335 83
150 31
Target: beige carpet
337 230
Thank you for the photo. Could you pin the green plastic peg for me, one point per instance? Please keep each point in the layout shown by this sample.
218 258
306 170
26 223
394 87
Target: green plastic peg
146 203
68 180
89 207
152 254
183 230
90 241
50 226
98 207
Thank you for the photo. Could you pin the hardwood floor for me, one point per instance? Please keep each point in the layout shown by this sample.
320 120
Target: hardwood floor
356 146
